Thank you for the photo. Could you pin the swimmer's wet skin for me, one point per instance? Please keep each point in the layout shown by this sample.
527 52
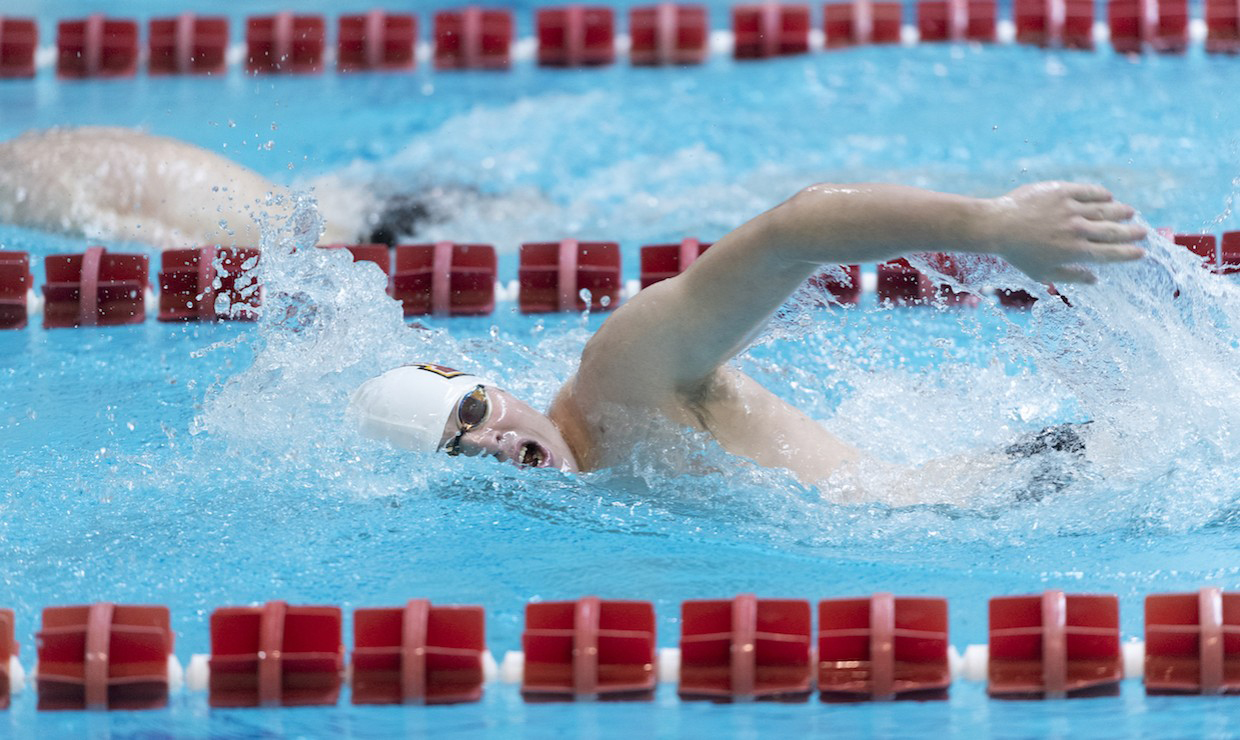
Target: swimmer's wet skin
640 364
118 184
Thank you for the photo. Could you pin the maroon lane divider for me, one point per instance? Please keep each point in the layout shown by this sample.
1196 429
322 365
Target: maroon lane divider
1204 246
188 44
902 284
745 648
19 39
770 30
945 293
576 36
8 649
15 282
861 22
445 279
94 289
97 46
552 275
418 654
1055 23
376 41
191 282
1054 646
883 648
104 656
662 261
275 655
1192 643
380 254
1229 253
1162 25
668 34
1222 26
589 648
843 283
473 38
957 20
285 43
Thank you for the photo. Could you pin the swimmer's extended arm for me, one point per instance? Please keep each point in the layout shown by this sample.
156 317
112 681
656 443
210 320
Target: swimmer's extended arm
673 336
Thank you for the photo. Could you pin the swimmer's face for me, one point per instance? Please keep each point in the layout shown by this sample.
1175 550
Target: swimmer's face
493 422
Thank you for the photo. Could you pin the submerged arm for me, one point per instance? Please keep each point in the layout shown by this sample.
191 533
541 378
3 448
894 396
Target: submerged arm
673 336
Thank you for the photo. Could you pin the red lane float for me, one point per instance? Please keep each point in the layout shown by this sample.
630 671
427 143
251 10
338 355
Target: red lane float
957 20
275 655
376 41
745 648
575 36
8 650
552 275
861 22
445 279
1204 246
883 648
1192 643
97 47
769 30
192 282
663 261
901 284
1065 23
589 648
15 282
1222 26
843 284
473 38
379 254
1054 646
188 44
418 654
1160 24
668 34
945 293
104 656
284 43
19 39
94 289
1229 253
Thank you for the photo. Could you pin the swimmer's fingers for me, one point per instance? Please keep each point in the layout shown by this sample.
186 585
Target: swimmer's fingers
1108 211
1108 232
1073 274
1088 193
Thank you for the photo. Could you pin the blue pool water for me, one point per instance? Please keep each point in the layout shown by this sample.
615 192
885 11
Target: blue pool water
207 465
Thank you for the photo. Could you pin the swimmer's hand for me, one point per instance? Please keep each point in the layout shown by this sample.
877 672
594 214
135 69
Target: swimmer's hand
1048 230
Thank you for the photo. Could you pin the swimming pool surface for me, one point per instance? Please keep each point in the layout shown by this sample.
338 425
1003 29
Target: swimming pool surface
200 466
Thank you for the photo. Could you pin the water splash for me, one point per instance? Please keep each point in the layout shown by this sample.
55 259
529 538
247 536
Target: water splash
938 390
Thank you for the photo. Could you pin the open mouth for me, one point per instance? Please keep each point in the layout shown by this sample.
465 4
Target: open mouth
532 455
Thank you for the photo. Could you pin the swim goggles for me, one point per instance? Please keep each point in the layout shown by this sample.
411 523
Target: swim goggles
471 411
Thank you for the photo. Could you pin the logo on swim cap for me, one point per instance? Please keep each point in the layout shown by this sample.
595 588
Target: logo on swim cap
439 370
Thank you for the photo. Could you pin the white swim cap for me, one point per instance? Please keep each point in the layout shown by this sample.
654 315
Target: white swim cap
409 407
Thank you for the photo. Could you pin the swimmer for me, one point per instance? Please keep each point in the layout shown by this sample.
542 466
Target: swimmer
665 352
118 184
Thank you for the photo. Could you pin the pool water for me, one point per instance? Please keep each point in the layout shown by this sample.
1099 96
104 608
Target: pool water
200 466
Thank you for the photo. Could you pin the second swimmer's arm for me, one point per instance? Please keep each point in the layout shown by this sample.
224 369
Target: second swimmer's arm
673 336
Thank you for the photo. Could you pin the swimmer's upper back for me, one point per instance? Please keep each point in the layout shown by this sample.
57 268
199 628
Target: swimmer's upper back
121 184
